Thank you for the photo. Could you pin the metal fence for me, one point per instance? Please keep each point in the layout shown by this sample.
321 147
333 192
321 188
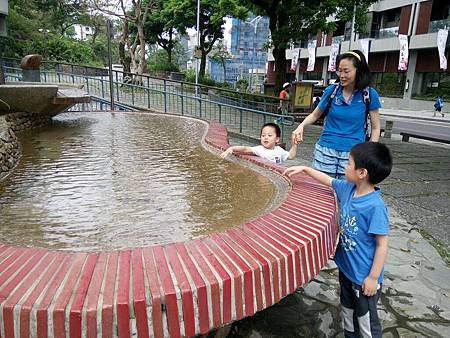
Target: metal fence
240 112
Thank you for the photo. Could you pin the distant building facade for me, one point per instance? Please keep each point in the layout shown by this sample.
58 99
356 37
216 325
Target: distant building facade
83 32
247 50
3 15
418 21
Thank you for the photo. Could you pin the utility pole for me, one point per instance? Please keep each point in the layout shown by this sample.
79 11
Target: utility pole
198 46
352 31
254 22
111 84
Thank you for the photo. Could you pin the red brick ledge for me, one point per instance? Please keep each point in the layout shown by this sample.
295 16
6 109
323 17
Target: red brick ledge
179 289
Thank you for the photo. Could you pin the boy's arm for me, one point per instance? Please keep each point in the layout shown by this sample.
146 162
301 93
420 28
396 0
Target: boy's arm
319 176
370 284
237 149
293 151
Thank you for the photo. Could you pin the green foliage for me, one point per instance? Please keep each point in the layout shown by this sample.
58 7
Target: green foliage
159 61
212 15
242 85
163 26
207 81
46 27
189 75
57 48
60 15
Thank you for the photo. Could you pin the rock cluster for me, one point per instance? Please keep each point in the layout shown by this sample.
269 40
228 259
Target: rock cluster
9 144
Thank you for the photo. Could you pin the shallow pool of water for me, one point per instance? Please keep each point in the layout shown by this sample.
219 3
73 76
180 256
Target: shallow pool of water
100 181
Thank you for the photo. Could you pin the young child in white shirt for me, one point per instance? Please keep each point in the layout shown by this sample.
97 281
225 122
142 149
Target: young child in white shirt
269 150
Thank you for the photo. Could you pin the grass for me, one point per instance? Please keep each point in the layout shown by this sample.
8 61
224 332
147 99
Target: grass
441 247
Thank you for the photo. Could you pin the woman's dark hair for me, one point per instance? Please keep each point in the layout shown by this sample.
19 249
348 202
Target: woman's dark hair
273 125
362 79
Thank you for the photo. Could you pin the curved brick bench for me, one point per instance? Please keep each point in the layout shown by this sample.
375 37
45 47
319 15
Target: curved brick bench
180 289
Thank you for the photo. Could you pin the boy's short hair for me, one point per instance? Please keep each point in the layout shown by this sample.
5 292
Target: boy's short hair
375 157
274 125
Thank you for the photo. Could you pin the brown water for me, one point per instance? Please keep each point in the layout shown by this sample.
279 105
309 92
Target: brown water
99 181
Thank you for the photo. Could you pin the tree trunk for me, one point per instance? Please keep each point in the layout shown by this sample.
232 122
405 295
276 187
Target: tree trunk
123 56
141 66
280 68
224 64
2 76
201 73
169 55
279 50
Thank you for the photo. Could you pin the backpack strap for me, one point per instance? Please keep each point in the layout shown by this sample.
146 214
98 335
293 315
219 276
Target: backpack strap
330 100
366 99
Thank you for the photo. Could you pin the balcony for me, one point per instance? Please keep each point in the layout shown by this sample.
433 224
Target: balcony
337 39
384 33
438 24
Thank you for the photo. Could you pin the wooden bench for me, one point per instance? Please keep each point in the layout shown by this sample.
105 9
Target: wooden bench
425 136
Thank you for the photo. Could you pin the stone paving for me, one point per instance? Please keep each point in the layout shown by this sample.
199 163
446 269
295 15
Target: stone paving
416 292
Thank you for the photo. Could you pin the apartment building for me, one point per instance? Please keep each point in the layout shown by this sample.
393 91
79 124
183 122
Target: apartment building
413 87
248 39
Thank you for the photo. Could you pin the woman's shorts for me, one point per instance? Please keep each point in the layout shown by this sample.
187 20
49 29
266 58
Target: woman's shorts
330 161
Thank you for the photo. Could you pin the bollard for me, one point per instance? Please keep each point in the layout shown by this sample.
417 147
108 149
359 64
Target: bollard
388 129
30 65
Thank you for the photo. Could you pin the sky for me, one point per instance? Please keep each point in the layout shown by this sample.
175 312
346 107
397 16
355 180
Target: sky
227 32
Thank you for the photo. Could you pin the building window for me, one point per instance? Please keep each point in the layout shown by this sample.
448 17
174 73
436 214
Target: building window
385 24
440 16
312 76
434 84
389 84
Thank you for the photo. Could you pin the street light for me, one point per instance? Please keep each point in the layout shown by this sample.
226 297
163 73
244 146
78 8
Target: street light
254 22
198 46
109 32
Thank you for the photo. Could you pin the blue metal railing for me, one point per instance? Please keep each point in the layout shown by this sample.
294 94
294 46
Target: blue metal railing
239 112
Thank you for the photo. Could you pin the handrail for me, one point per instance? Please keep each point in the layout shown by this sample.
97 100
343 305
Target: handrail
172 96
157 78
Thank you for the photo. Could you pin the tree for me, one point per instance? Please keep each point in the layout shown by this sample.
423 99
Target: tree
31 29
167 23
159 61
60 15
294 20
130 18
220 54
212 20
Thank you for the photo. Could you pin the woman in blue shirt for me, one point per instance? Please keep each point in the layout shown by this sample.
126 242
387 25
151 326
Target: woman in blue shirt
346 119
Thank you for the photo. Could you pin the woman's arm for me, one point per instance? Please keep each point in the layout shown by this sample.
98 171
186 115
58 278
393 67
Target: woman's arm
375 125
310 119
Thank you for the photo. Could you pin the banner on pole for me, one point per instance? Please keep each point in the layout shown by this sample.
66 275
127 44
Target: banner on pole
404 53
294 61
441 41
333 56
312 57
365 48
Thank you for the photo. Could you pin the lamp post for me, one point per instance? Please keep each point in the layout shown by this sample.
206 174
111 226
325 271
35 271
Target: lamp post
352 31
254 22
198 45
111 84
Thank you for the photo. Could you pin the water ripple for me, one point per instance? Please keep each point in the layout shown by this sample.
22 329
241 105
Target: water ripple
107 181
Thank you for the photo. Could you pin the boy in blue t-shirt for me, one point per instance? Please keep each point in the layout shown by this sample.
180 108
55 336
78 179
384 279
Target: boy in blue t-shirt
363 234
